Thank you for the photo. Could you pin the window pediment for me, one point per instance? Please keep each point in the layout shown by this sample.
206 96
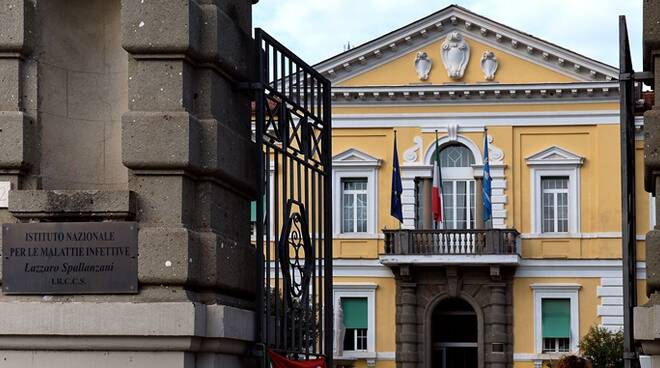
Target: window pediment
354 157
554 156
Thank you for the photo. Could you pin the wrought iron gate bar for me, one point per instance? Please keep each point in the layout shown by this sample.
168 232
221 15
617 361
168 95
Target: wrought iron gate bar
292 112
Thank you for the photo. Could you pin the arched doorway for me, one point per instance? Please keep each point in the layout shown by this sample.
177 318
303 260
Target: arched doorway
454 335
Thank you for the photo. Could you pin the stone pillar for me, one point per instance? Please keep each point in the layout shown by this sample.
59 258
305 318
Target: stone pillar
496 337
139 120
647 317
407 354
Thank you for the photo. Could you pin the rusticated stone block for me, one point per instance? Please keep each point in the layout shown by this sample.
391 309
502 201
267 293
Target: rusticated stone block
219 34
160 140
167 255
164 199
652 262
160 26
16 133
651 148
9 80
651 31
160 85
72 204
15 17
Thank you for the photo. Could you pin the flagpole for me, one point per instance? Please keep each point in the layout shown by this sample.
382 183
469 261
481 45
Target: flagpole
396 152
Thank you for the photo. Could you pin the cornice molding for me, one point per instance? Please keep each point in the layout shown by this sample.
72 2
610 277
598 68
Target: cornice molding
476 93
481 29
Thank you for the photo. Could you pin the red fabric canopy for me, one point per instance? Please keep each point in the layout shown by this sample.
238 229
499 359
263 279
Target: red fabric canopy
279 361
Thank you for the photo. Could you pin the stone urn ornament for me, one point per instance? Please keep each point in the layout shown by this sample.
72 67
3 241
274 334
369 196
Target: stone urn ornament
423 65
489 65
455 54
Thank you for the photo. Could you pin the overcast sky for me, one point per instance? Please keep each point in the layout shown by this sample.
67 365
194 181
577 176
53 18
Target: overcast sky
319 29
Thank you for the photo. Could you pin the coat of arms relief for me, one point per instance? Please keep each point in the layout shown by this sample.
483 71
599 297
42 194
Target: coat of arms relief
455 54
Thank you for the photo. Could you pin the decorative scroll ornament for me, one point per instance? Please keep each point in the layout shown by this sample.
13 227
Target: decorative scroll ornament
455 55
489 65
410 155
495 154
423 65
296 254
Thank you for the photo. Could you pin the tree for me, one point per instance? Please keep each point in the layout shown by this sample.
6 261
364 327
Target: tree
603 347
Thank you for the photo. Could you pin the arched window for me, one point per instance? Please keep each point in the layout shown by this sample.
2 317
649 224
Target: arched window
458 195
456 155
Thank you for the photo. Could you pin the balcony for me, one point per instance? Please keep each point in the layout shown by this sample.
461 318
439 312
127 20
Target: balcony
437 247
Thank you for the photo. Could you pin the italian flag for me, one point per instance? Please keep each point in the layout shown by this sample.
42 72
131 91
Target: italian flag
436 193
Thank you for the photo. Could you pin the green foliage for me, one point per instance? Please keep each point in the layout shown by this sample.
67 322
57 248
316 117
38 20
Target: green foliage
603 348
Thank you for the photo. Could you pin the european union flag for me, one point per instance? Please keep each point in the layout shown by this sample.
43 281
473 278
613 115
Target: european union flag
395 206
486 191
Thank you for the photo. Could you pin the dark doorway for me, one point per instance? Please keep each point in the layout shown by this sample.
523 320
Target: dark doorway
454 332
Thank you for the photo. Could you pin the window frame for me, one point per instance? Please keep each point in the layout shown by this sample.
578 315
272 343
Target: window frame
556 291
555 161
359 290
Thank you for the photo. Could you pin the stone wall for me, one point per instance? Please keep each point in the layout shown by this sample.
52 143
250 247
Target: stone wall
118 110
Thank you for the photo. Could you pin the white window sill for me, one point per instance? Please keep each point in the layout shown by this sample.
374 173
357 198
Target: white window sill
358 236
354 355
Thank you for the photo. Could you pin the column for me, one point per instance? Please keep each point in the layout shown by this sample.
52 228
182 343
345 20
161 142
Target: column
496 339
407 354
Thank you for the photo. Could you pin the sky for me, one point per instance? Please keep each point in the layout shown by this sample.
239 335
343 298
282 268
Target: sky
319 29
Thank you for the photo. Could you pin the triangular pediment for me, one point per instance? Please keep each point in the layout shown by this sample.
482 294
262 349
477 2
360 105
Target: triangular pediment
555 156
482 34
354 157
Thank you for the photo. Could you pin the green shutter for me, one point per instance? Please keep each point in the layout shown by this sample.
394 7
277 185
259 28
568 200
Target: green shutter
355 312
253 211
556 318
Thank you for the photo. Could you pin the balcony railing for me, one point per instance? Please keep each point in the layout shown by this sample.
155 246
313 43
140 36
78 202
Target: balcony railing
448 242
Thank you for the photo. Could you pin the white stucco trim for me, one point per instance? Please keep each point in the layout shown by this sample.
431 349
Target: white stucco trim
556 291
470 120
360 290
466 260
574 268
652 213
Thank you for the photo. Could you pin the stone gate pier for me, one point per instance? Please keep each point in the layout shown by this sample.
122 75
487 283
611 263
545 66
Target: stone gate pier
126 111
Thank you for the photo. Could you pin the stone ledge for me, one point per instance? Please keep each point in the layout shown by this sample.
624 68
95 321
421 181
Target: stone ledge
647 328
71 204
126 320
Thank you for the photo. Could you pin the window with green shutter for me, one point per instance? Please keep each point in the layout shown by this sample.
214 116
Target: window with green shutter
355 312
356 322
556 314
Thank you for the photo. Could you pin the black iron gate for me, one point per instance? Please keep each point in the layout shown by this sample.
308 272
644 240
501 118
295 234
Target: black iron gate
294 219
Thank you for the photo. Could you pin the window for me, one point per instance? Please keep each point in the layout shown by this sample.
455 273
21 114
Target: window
554 202
355 320
456 162
354 206
556 317
355 193
556 325
555 192
458 196
356 323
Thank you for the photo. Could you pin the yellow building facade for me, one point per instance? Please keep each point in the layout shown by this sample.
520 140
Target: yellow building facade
521 288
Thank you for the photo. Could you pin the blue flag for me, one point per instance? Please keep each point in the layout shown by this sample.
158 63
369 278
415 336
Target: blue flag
395 206
486 191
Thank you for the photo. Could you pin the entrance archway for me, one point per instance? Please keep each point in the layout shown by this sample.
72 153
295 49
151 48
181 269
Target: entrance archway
454 335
